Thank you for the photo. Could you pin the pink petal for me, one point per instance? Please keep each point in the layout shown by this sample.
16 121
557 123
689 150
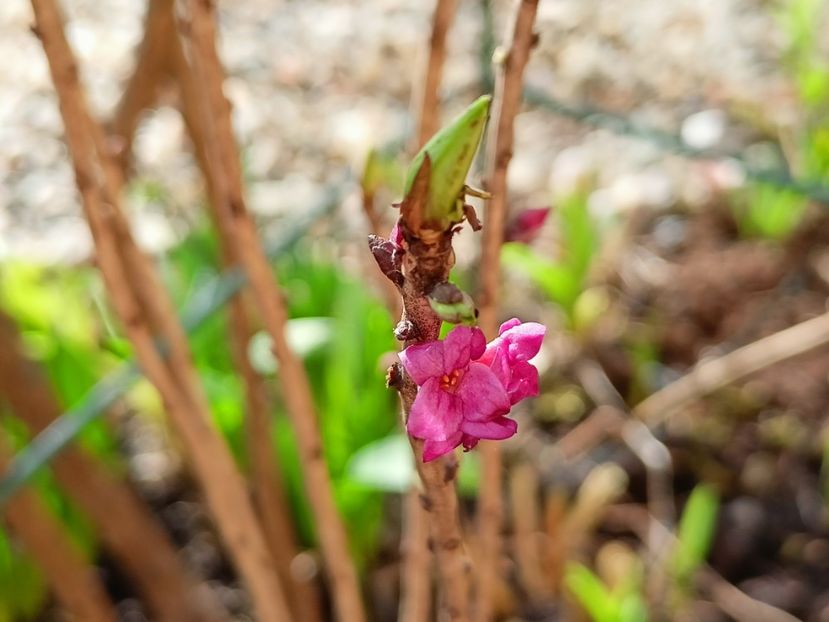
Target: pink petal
435 449
436 415
496 429
462 345
524 340
523 383
508 324
469 442
526 225
482 395
396 234
423 361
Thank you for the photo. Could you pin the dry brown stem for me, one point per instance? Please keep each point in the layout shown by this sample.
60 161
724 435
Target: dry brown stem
266 479
147 77
124 523
74 582
708 376
728 597
430 96
416 584
525 519
223 161
505 106
142 306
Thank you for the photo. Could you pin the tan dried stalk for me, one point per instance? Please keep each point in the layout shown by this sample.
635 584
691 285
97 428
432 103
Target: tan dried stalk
74 582
142 305
430 96
506 104
415 584
236 223
266 479
523 490
146 79
124 523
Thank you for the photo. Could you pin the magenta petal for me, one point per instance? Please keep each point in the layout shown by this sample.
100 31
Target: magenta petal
524 340
435 449
524 382
496 429
396 234
469 442
508 324
462 345
482 394
435 415
423 361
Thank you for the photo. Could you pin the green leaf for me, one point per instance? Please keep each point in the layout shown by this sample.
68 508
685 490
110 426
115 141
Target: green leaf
696 530
305 336
451 152
591 593
386 465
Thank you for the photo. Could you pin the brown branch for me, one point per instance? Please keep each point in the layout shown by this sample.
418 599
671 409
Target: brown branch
74 582
708 376
415 584
525 517
505 106
236 223
429 122
428 259
146 79
266 480
142 305
124 523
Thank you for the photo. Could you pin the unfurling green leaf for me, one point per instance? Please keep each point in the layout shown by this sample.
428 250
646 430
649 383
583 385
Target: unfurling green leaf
451 151
453 305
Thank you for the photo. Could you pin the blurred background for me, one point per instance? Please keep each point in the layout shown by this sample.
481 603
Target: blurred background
667 201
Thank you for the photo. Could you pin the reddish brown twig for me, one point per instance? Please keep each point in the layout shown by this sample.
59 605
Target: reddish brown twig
147 77
74 582
427 261
415 583
124 523
223 161
143 307
429 122
505 106
266 480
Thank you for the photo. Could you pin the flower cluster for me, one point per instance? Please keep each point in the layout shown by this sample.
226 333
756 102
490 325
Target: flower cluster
466 386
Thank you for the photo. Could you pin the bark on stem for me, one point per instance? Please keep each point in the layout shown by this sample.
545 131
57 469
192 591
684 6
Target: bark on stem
150 70
74 582
223 160
142 305
430 97
505 106
427 261
265 476
126 527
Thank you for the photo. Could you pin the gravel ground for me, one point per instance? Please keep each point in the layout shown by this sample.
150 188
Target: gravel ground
315 84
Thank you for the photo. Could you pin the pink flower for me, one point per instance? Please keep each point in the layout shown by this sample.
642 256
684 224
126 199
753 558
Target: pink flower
508 357
459 400
526 225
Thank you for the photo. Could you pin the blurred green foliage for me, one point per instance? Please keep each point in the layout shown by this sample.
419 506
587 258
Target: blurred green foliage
625 603
339 328
773 212
563 280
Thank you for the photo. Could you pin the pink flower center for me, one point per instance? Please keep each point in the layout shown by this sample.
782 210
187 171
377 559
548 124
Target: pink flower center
449 382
